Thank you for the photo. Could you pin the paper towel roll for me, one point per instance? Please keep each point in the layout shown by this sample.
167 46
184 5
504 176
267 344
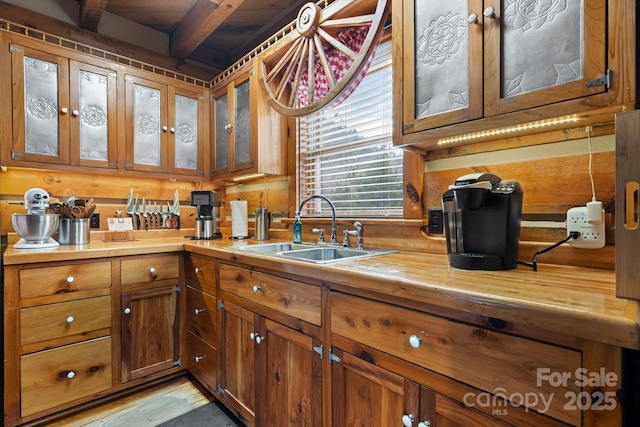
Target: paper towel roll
239 218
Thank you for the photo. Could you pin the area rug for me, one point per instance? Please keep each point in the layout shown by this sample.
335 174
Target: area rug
210 415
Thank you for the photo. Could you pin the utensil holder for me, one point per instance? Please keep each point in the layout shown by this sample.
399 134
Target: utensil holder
74 231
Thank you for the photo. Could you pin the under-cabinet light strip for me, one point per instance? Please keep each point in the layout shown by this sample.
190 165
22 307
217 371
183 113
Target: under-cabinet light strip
511 129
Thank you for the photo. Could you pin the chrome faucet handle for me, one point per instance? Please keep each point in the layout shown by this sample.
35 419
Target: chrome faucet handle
345 241
320 232
360 234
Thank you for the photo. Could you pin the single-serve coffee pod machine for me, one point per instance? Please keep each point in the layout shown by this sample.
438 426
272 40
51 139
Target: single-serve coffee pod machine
207 205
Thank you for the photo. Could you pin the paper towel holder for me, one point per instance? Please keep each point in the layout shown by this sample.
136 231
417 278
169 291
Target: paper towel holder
232 237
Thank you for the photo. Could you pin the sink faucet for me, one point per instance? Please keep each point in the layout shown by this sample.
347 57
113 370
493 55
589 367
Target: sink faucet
359 232
297 236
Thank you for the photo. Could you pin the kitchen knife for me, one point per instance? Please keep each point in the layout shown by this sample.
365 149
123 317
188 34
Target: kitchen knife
144 214
136 212
130 209
176 209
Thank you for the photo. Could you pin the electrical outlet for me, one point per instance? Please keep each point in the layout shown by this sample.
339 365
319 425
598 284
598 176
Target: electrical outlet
592 236
435 221
94 221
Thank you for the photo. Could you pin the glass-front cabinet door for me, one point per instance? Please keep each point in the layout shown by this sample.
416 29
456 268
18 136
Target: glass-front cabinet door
542 52
40 87
146 125
442 63
186 131
93 116
241 149
222 134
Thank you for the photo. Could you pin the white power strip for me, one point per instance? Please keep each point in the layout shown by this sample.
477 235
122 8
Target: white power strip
592 236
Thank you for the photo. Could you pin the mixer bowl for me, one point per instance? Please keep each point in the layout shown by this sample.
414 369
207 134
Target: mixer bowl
35 228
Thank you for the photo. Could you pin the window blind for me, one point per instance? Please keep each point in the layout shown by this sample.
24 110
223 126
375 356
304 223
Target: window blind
346 153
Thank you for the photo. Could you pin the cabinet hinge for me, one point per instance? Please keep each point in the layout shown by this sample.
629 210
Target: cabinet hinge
201 98
15 155
333 357
113 164
201 172
213 172
211 98
176 289
220 304
176 362
12 48
128 166
319 350
220 389
407 126
604 80
252 163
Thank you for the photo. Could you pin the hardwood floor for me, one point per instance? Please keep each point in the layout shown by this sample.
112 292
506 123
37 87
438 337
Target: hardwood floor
145 408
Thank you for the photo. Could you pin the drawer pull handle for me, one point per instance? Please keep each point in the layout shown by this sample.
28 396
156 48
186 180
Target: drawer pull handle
127 310
200 310
70 319
152 272
415 341
199 358
71 374
256 289
424 424
407 420
198 270
69 279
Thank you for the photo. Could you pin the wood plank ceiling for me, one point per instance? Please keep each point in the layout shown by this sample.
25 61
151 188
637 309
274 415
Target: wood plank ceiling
215 33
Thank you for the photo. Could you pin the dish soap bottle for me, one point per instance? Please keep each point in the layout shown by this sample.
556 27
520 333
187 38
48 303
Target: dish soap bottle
297 230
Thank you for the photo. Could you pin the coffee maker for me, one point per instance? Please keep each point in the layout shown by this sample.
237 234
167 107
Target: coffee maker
207 205
482 222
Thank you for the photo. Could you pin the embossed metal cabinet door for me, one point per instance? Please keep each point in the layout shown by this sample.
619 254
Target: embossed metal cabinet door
185 132
92 116
442 62
223 134
542 52
146 124
242 142
40 83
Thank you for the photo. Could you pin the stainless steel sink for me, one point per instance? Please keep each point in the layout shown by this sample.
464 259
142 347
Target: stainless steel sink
311 253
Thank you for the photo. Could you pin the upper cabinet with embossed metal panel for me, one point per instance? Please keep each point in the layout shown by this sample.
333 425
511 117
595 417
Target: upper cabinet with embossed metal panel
164 127
63 109
506 63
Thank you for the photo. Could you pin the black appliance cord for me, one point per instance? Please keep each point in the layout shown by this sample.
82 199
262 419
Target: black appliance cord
534 263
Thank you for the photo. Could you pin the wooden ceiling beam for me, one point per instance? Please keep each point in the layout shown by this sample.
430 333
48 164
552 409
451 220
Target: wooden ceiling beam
91 13
200 22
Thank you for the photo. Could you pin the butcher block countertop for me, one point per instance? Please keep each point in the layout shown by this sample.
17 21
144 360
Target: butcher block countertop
566 300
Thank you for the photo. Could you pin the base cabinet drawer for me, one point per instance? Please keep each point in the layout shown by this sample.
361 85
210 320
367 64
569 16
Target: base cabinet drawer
485 359
64 279
202 361
149 269
202 314
55 377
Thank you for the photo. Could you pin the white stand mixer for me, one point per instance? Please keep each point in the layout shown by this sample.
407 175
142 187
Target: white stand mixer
36 227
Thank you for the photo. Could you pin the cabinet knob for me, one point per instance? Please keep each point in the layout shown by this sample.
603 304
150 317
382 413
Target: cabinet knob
172 129
64 110
71 374
127 310
75 112
473 18
424 424
199 310
228 126
253 336
199 358
152 272
407 420
415 341
164 128
198 270
489 12
256 289
70 319
69 279
259 339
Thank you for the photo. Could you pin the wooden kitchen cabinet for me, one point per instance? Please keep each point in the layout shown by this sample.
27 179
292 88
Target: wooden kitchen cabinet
202 337
271 366
466 60
150 321
58 337
64 110
249 136
164 128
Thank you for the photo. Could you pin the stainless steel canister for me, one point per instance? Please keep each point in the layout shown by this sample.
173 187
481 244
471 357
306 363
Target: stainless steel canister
74 231
263 222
